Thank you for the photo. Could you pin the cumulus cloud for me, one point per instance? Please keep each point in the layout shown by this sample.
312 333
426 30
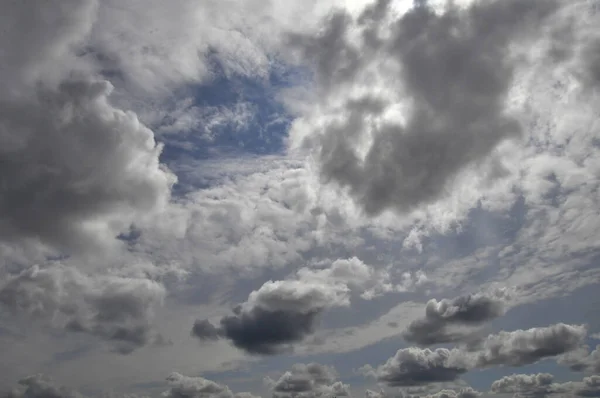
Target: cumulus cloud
40 386
368 280
276 315
582 360
308 381
76 170
113 308
440 316
409 103
535 385
543 385
414 366
461 393
522 347
198 387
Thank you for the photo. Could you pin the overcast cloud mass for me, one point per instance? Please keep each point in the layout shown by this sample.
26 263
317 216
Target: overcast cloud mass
299 199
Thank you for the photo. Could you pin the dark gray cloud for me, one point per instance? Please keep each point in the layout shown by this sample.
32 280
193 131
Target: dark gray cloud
522 347
116 309
440 316
307 381
414 366
542 385
454 68
275 316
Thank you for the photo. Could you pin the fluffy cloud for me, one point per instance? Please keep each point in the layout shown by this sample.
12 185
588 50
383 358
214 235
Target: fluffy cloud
462 393
470 310
40 386
543 385
276 315
308 381
414 366
354 273
582 360
76 169
522 347
536 385
198 387
114 308
411 102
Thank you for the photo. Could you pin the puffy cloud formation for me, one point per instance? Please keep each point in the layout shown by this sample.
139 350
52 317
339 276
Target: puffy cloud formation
522 347
407 103
470 310
180 386
462 393
115 308
543 385
308 381
276 315
76 170
198 387
536 385
40 386
357 275
414 366
286 311
582 360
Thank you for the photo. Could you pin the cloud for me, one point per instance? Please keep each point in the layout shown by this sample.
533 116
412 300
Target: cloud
543 385
308 381
76 170
536 385
446 74
40 386
522 347
354 273
462 393
470 310
113 308
276 315
582 360
198 387
414 366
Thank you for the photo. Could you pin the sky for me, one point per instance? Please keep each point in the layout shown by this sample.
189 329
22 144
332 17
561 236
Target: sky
299 199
